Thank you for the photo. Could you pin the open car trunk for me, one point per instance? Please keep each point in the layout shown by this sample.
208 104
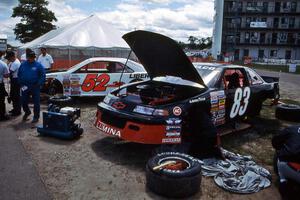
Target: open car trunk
156 93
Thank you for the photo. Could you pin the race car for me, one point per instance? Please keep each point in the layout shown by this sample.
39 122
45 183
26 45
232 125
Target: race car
94 77
181 98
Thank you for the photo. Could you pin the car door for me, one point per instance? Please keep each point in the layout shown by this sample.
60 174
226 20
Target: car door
237 91
96 78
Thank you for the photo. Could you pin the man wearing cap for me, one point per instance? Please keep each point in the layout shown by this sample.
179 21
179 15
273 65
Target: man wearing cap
4 73
13 66
31 76
45 59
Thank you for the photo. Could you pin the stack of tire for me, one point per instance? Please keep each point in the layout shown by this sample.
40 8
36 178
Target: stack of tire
60 101
174 183
288 112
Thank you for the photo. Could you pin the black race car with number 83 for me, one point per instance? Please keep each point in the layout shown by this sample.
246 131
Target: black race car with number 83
181 100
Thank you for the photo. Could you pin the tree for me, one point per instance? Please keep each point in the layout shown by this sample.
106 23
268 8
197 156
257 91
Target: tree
192 41
36 19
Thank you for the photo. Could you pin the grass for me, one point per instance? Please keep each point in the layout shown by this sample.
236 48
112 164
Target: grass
275 68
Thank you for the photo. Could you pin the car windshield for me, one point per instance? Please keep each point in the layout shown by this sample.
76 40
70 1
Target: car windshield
209 74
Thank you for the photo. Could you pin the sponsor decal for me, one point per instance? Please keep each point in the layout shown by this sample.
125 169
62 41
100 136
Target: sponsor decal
206 67
171 140
221 107
177 111
138 76
173 127
214 109
107 129
173 121
199 99
221 101
222 111
118 105
171 134
214 101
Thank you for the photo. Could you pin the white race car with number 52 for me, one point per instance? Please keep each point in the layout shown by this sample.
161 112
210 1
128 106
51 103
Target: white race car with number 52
94 77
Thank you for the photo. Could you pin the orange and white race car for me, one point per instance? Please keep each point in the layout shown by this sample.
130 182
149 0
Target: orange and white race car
94 77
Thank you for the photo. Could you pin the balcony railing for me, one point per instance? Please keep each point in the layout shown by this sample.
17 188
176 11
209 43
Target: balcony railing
268 26
260 9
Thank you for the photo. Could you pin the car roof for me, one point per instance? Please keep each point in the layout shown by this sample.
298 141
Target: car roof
218 65
137 67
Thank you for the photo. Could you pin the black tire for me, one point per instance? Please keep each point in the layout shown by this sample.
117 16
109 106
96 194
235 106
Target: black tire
173 183
61 101
55 88
288 112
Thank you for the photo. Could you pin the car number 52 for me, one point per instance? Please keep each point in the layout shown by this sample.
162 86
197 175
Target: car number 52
95 83
240 107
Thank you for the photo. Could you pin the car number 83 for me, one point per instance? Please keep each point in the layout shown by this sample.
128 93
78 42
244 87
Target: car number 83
241 101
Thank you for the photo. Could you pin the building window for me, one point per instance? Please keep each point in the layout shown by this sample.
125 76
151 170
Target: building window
247 37
293 6
273 53
254 37
288 54
246 52
292 22
261 53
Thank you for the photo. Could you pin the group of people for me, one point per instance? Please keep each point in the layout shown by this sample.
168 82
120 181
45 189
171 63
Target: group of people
26 79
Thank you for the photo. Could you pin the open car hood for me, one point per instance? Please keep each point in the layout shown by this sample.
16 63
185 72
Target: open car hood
161 56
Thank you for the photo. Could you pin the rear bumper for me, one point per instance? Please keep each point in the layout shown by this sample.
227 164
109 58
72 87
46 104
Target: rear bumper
133 129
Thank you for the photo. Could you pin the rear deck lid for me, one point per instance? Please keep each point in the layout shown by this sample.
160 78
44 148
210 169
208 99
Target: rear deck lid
161 56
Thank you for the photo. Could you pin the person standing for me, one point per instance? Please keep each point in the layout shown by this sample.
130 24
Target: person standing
13 67
31 76
23 56
45 59
4 73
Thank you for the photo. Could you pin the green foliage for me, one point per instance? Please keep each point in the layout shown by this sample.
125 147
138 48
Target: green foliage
197 43
36 19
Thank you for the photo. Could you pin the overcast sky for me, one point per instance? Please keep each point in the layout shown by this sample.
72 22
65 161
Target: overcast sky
177 19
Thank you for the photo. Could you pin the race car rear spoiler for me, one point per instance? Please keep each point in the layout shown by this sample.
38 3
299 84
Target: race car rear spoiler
270 79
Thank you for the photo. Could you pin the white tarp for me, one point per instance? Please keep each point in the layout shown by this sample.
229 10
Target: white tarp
91 32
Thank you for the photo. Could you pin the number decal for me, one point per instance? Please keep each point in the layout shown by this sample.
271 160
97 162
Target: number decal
96 83
237 108
102 80
237 102
246 96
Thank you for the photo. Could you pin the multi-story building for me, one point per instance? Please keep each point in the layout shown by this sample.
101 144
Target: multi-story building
258 29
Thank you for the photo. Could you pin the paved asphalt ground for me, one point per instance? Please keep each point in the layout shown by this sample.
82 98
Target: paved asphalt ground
286 80
18 176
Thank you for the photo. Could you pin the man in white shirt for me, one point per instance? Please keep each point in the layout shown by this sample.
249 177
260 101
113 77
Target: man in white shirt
45 59
4 73
14 65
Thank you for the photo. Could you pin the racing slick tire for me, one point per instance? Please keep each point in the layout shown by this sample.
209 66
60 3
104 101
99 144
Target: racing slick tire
288 112
55 89
171 181
61 101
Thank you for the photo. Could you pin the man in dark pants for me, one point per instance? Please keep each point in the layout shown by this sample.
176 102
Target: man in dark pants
3 74
31 77
14 65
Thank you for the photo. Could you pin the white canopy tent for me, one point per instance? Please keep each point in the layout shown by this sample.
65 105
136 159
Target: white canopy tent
75 42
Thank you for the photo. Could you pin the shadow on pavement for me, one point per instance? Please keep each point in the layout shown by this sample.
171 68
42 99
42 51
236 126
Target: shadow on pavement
120 152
